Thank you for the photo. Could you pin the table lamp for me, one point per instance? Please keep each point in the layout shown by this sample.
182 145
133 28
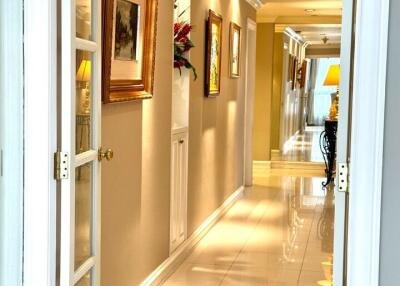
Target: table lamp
83 75
333 79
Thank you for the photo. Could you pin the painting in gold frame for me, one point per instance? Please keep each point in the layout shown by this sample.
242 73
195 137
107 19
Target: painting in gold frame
129 38
304 71
235 49
213 56
294 72
290 68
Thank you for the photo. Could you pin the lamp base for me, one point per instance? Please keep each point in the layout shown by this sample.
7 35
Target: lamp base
85 101
334 109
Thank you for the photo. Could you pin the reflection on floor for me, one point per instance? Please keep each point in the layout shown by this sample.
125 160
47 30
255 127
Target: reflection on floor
280 233
304 148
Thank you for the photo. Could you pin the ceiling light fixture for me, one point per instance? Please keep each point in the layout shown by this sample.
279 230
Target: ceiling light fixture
309 10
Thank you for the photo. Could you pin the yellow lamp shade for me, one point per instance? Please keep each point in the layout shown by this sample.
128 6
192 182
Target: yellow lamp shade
333 76
84 71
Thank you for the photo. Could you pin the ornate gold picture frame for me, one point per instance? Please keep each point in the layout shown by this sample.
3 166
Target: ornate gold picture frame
129 38
235 49
213 56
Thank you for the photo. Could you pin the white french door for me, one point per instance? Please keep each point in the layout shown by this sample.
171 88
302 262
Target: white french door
11 142
343 145
80 142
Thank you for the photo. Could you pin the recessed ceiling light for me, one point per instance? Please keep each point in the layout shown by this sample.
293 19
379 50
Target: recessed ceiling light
309 10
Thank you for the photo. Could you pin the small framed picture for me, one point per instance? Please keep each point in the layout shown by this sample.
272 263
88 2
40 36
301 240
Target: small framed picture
129 38
290 68
294 72
213 55
234 46
126 30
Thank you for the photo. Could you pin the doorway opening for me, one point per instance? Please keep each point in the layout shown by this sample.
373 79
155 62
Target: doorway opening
302 54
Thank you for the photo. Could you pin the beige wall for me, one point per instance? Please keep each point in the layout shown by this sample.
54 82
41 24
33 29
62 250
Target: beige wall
275 101
263 98
277 90
215 124
136 184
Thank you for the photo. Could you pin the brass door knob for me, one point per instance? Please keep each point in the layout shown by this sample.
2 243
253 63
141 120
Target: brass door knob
107 154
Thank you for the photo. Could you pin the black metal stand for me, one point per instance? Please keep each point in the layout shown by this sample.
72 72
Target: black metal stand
327 144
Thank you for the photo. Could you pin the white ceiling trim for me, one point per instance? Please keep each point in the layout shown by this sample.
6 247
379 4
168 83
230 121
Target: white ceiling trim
292 34
257 4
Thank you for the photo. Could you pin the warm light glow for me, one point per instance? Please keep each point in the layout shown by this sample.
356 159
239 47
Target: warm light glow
333 76
235 11
309 10
215 5
84 71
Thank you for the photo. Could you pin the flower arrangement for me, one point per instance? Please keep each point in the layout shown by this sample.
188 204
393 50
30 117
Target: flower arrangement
182 45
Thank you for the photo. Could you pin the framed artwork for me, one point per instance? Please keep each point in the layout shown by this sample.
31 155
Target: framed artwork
234 46
213 56
129 37
303 74
290 68
294 72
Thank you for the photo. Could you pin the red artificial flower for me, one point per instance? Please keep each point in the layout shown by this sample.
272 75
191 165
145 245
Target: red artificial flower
183 32
177 27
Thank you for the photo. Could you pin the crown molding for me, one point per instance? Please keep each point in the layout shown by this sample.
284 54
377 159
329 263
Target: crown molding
302 20
257 4
292 34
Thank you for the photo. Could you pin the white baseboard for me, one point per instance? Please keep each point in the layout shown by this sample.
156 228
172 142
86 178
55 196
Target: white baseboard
276 154
162 272
289 143
317 166
261 166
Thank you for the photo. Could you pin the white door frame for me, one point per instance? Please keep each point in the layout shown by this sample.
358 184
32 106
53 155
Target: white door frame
367 143
40 40
11 142
369 92
344 126
367 129
251 27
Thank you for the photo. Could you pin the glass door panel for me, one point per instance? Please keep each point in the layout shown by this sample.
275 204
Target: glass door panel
11 142
83 101
83 214
84 19
81 115
86 280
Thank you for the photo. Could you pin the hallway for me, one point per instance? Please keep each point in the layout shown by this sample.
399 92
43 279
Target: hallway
279 233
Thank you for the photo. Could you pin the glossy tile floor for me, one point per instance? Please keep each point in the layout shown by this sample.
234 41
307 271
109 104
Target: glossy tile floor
305 147
279 233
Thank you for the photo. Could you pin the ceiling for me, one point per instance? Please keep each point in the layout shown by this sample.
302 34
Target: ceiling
273 9
312 19
314 33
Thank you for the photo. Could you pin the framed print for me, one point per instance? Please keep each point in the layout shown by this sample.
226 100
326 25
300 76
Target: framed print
234 46
290 66
303 74
129 37
213 56
294 72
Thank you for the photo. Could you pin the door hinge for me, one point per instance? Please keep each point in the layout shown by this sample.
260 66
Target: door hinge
343 185
61 169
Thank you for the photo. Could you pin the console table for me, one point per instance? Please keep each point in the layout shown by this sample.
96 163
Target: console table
328 148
